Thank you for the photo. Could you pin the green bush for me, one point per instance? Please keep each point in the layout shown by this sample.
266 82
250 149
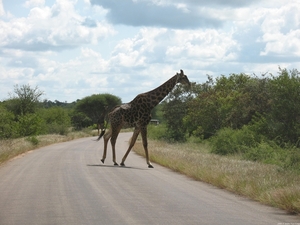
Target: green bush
293 159
57 120
267 152
55 128
33 140
29 124
224 142
230 141
157 132
251 146
7 124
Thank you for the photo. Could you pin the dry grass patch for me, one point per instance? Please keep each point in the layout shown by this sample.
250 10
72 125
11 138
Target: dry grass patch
268 184
14 147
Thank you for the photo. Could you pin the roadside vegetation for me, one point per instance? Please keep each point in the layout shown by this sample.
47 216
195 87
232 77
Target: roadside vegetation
27 122
239 132
10 148
269 184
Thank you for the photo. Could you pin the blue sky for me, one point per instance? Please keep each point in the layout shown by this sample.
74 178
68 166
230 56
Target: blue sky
72 49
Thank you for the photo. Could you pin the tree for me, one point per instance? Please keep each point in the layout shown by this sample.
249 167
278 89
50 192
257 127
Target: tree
25 100
203 117
174 108
30 124
284 117
230 102
7 124
90 108
57 119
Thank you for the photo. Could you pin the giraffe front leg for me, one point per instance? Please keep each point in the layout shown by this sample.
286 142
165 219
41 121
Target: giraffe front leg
132 142
145 144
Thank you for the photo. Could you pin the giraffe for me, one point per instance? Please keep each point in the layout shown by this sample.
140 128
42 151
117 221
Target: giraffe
137 114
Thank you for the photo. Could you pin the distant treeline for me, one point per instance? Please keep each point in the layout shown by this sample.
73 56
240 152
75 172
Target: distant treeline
268 104
48 104
246 114
24 114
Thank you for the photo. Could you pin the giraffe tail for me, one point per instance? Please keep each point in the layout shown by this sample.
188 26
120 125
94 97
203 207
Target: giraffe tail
101 134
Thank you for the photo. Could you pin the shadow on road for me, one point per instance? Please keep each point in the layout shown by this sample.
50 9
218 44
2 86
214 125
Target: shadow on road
117 167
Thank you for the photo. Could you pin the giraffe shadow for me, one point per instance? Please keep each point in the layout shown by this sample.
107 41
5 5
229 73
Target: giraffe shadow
117 167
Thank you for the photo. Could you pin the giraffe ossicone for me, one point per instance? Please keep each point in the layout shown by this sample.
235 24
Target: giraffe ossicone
137 114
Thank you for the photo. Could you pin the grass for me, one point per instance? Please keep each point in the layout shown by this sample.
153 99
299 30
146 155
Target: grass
268 184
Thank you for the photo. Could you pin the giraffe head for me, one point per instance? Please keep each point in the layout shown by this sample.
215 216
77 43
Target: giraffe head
182 78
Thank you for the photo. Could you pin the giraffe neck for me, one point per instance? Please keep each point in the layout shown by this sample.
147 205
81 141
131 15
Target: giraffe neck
156 95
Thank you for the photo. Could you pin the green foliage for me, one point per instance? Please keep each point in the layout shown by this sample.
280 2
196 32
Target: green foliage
251 146
292 161
80 120
267 152
33 140
48 104
230 141
24 115
174 109
257 117
89 109
270 104
94 105
25 100
29 125
157 132
157 113
284 117
227 102
7 124
203 118
57 120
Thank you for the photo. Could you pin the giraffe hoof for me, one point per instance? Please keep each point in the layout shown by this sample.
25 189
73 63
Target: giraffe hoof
102 160
122 164
116 164
150 166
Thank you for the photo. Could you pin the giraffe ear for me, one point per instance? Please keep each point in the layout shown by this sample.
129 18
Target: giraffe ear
181 74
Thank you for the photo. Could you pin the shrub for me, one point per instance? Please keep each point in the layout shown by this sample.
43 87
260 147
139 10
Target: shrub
55 128
33 140
230 141
157 132
7 124
29 124
293 159
267 152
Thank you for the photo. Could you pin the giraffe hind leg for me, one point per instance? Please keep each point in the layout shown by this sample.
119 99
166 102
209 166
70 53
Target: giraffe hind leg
114 136
106 138
145 144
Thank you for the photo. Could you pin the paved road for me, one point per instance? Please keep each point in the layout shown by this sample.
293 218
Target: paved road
67 184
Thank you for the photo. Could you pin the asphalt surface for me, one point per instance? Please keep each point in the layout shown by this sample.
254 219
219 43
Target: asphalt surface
67 184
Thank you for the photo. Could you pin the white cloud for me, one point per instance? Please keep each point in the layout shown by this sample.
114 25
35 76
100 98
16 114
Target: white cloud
33 3
2 12
281 29
52 29
177 16
209 44
72 49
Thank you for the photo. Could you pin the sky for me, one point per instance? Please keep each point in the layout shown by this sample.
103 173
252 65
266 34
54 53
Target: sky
71 49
